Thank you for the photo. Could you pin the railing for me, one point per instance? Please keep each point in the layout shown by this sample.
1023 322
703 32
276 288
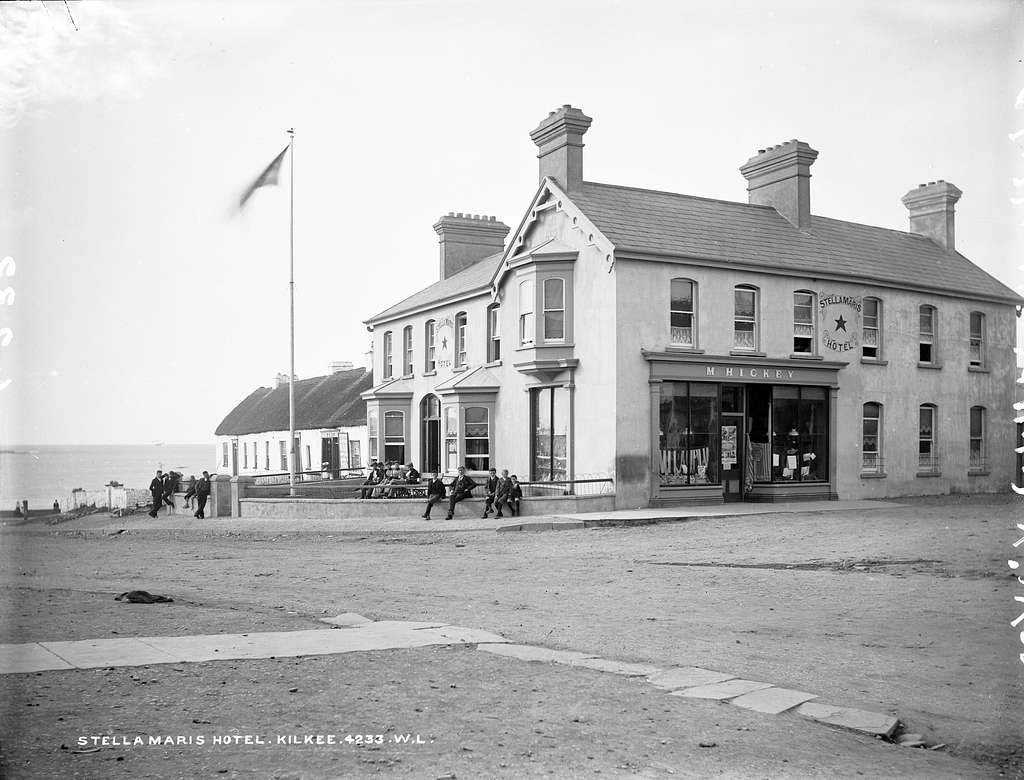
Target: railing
872 464
590 486
977 463
324 475
928 464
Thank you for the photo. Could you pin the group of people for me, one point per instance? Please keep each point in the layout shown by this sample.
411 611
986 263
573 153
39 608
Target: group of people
163 487
383 477
499 492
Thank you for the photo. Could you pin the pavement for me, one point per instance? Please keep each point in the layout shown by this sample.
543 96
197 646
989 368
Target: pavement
461 523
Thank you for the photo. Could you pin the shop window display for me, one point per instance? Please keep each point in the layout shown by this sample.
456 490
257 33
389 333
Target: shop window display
689 434
799 434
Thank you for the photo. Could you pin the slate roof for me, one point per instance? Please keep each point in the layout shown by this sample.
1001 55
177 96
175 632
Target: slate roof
330 401
476 277
758 236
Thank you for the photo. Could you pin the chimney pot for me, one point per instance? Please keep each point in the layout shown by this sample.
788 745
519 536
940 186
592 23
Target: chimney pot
780 176
932 210
559 139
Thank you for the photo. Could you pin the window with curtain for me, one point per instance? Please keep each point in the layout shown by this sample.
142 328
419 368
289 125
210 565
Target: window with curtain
549 412
745 318
554 309
927 449
394 437
526 303
927 351
387 355
371 432
478 448
451 438
872 329
871 442
460 339
493 333
429 331
689 435
407 350
224 450
977 339
803 322
978 457
681 313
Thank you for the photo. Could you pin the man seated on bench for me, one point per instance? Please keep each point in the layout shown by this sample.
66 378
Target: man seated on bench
374 478
462 488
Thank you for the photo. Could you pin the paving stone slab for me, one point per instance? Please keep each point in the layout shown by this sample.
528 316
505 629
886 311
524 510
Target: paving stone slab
772 700
874 723
21 659
618 667
399 625
469 636
729 689
93 653
346 620
537 525
533 653
687 677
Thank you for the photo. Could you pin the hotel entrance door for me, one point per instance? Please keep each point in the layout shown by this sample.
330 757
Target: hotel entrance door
733 431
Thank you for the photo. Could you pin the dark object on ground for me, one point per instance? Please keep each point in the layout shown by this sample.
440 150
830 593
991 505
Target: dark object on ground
142 597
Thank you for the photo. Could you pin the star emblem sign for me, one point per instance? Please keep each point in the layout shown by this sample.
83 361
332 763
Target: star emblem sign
841 324
444 343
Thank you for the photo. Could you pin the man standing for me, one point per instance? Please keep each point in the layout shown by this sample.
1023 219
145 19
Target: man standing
156 490
435 492
461 488
202 493
490 488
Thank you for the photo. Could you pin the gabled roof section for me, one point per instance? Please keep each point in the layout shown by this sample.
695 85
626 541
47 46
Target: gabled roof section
393 387
330 401
664 223
479 378
469 281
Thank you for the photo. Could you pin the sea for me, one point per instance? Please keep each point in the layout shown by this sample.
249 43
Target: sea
42 474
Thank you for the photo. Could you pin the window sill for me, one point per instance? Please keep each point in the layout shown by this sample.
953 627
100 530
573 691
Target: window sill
873 475
492 364
460 369
979 473
430 373
868 361
978 370
804 356
684 350
932 366
747 353
928 474
408 376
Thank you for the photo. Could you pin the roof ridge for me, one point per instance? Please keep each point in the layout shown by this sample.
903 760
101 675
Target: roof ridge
676 195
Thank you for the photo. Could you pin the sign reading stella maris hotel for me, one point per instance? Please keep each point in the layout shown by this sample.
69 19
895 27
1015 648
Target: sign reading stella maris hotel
839 316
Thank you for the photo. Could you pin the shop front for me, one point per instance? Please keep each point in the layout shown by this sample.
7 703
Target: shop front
741 429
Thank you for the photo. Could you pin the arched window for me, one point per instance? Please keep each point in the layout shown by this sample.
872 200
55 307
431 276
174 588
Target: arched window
871 448
478 447
928 332
493 332
394 437
682 313
803 322
928 444
977 343
745 325
526 304
554 309
460 339
872 336
407 350
978 455
429 331
388 372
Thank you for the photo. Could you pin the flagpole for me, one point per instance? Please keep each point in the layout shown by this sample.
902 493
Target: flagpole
291 296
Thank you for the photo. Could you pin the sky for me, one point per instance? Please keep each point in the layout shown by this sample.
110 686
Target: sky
146 306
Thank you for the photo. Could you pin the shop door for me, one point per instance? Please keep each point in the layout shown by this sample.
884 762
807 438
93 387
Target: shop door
430 413
330 457
733 428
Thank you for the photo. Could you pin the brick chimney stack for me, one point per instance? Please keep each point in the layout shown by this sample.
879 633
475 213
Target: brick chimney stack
466 239
932 208
559 137
781 177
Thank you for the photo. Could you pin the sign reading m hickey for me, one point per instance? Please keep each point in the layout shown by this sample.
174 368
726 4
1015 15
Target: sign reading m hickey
840 321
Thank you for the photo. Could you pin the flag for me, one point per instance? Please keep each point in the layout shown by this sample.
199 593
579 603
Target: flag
266 179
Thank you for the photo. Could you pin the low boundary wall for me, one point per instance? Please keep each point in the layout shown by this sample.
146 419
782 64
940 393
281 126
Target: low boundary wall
355 508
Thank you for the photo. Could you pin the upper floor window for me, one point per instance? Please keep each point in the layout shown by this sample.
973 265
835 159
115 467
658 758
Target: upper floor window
494 333
526 304
407 350
460 339
977 461
871 449
387 355
872 338
928 452
681 311
554 309
803 322
927 350
977 348
745 318
429 331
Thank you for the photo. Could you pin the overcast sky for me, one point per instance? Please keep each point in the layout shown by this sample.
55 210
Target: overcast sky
145 310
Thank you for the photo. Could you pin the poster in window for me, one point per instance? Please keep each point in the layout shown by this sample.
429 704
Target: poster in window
728 446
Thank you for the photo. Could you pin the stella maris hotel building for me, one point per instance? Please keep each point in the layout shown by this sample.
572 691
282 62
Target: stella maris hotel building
698 350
